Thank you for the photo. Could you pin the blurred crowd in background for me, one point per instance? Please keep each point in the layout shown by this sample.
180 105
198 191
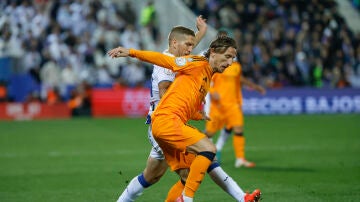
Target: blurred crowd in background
356 4
288 43
61 46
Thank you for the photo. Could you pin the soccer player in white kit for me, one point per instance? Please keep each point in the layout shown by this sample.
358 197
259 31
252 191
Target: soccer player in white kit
180 43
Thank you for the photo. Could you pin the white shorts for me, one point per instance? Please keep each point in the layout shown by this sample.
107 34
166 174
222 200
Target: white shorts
156 151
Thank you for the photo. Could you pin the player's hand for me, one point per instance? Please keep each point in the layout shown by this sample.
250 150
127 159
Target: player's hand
119 52
215 96
260 89
201 23
204 116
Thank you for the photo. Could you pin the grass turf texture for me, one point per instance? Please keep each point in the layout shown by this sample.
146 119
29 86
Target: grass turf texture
299 158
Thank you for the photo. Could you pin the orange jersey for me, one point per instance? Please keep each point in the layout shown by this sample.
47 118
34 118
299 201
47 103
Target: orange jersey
180 103
186 93
227 110
227 84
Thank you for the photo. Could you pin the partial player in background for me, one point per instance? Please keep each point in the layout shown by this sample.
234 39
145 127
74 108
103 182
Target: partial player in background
181 103
226 110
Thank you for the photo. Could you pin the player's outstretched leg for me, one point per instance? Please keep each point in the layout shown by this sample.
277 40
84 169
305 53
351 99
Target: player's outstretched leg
223 180
134 189
155 169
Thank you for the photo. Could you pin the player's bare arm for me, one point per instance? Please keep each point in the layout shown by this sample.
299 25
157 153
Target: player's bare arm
215 96
163 86
152 57
200 116
202 28
253 85
124 52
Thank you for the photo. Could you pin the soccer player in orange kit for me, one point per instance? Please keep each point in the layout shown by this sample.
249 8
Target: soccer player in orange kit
226 110
181 103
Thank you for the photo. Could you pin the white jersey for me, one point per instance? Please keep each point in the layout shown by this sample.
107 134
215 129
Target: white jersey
159 74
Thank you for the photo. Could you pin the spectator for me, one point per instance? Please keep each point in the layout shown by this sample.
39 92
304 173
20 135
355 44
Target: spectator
50 74
133 73
128 13
228 16
53 96
69 76
80 100
75 103
130 37
103 76
148 19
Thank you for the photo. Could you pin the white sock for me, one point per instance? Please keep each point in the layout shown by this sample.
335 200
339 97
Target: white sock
132 191
223 137
187 199
221 178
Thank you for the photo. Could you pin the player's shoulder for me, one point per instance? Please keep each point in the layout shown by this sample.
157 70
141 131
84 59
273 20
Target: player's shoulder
189 60
161 71
196 58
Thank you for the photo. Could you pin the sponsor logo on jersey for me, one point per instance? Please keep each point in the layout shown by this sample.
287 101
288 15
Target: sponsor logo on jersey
181 61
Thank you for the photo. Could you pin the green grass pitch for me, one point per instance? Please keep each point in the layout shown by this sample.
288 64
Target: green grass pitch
299 158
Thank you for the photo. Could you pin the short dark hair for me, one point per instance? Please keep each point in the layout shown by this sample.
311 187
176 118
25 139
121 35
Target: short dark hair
179 31
222 33
220 45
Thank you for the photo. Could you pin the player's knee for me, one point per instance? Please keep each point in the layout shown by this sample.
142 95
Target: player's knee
209 155
209 134
228 130
203 145
239 133
212 148
238 130
209 146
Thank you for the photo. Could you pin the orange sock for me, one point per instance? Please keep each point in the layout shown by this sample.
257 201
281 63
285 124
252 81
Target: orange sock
175 191
239 146
197 172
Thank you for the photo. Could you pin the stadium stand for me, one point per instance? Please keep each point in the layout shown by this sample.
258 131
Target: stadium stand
63 43
288 43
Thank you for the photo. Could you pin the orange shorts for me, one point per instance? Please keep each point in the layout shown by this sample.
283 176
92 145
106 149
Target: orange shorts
174 136
225 116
